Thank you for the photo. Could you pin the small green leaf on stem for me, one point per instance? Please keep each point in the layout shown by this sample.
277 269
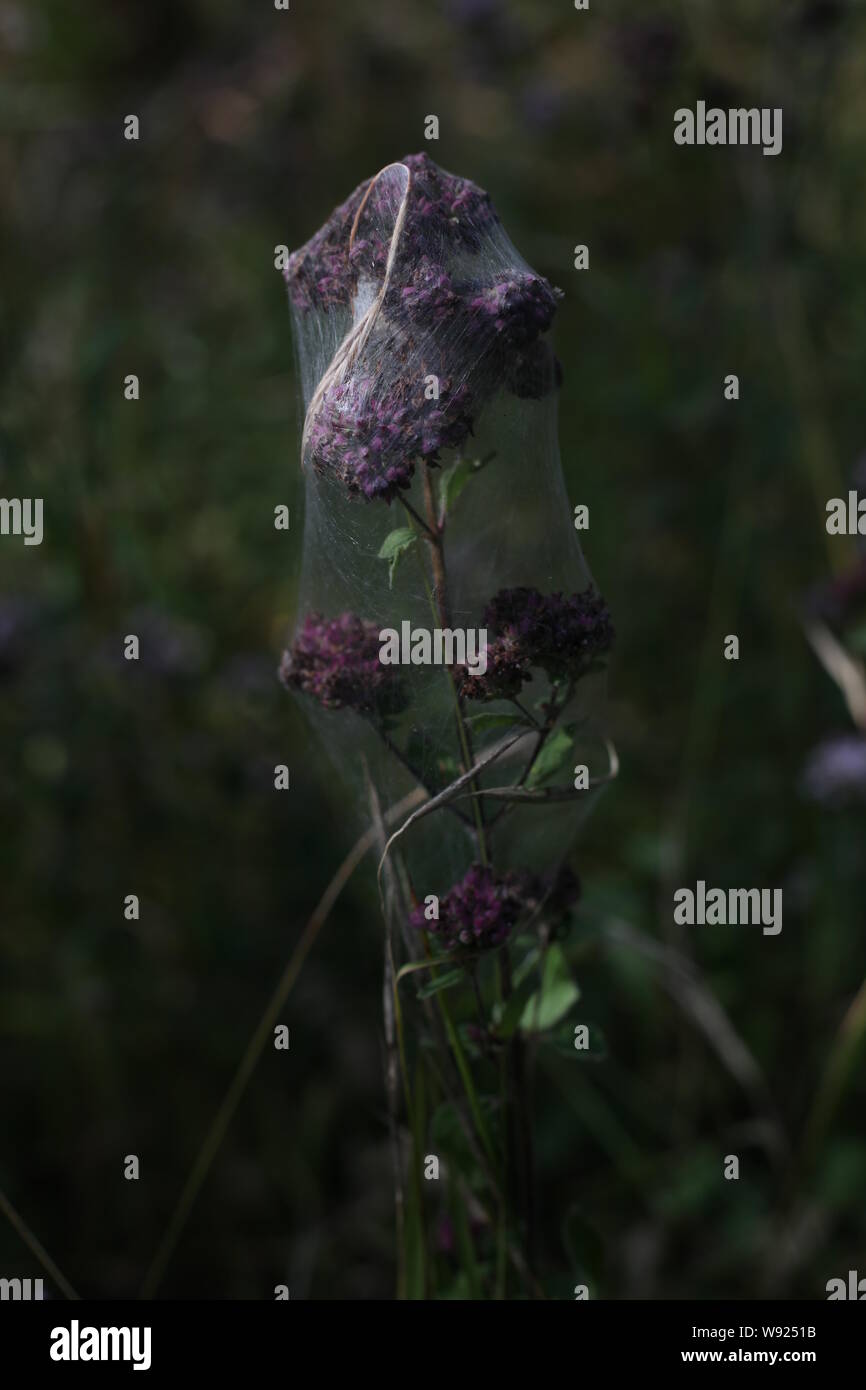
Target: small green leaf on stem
452 483
395 546
553 754
446 981
558 993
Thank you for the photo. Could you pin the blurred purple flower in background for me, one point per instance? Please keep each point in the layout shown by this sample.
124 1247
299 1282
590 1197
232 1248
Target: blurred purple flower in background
169 646
836 770
19 618
544 104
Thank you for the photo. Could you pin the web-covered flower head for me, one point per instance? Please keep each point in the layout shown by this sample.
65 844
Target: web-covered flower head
440 323
336 662
562 635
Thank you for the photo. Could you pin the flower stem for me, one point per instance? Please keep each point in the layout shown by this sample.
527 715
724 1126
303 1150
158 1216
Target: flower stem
554 710
435 533
522 1113
436 544
416 517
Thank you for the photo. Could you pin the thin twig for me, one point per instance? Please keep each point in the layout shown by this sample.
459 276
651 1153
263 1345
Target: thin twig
416 516
36 1248
544 794
356 339
402 759
449 793
392 1058
436 543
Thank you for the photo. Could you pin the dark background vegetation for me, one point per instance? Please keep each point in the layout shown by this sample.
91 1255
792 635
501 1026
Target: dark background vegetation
707 518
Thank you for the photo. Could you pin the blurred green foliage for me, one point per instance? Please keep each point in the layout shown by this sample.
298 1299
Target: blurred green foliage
707 518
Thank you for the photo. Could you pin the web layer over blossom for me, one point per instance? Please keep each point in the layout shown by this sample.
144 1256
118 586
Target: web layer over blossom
430 392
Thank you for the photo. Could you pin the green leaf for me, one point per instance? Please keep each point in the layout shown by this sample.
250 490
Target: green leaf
558 993
551 758
446 981
453 481
529 944
394 547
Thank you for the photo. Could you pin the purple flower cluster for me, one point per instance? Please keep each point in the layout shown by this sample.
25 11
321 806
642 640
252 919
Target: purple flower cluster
562 635
336 661
836 771
478 912
320 275
446 211
515 309
444 214
482 908
474 335
368 434
427 297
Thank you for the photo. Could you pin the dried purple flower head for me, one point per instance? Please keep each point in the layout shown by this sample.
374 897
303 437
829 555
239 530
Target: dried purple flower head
336 661
482 908
836 771
426 298
561 635
369 434
320 275
515 309
507 669
478 912
445 213
439 317
842 599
